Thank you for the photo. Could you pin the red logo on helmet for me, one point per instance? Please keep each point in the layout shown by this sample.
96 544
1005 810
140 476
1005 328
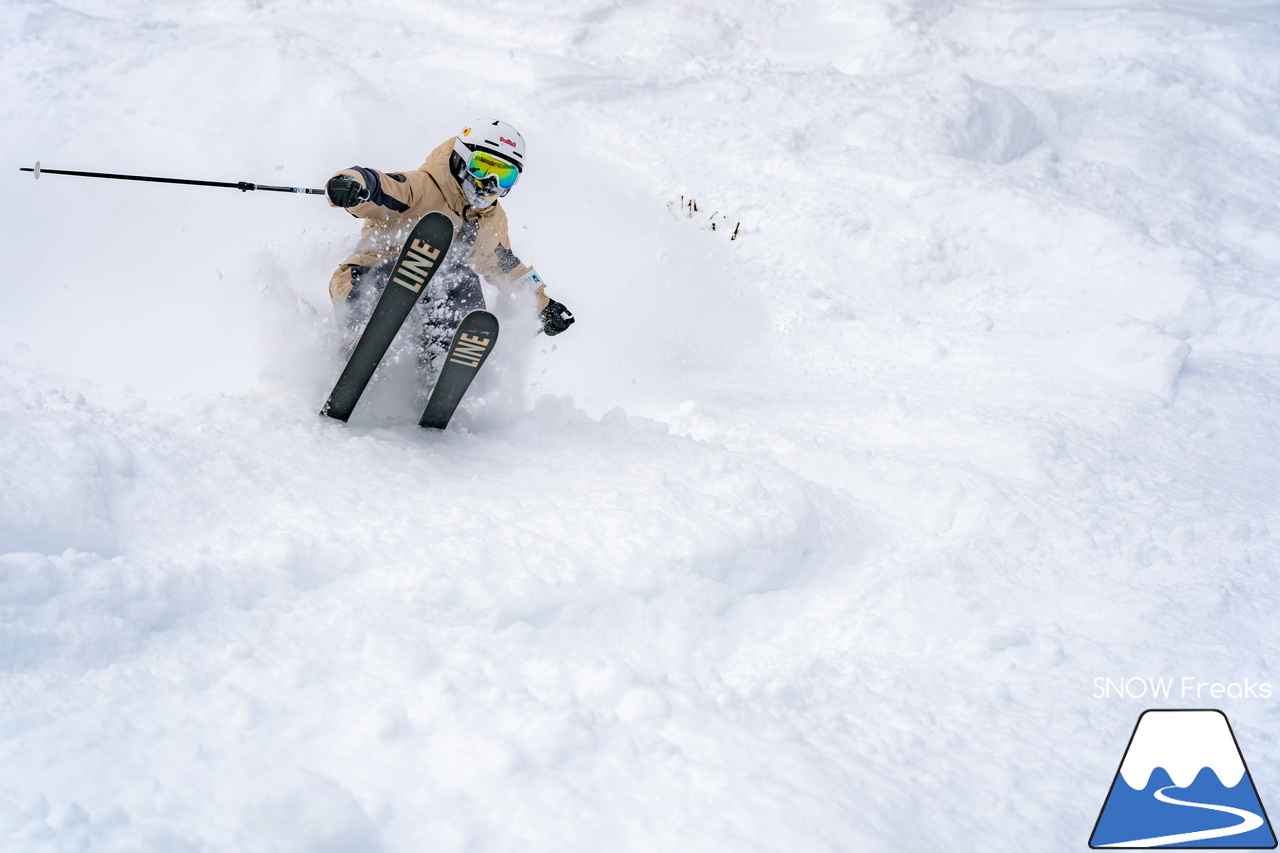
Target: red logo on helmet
508 141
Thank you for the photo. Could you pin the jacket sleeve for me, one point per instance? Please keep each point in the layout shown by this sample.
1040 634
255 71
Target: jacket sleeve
390 193
494 259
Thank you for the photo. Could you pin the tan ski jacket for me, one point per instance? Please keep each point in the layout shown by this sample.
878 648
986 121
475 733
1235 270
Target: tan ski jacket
399 199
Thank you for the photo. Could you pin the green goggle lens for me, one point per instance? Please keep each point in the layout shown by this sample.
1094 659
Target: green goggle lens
482 166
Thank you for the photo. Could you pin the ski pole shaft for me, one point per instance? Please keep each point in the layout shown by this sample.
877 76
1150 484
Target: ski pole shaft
243 186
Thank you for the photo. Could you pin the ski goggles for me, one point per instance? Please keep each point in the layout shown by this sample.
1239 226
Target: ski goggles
486 168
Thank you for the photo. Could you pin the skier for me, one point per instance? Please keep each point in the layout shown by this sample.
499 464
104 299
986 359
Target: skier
462 178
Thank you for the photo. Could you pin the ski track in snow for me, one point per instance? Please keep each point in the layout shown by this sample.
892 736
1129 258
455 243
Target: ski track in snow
810 540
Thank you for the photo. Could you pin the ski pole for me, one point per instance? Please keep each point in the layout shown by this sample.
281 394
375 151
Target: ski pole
243 186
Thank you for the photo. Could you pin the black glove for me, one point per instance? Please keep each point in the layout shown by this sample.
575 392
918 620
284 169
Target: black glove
556 318
345 191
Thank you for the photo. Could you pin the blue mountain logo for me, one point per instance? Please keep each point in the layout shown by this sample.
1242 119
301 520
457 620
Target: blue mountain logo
1183 783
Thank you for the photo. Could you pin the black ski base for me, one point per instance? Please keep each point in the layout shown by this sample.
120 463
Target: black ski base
472 343
423 252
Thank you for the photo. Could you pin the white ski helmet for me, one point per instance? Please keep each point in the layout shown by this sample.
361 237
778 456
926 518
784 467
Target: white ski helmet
496 137
487 159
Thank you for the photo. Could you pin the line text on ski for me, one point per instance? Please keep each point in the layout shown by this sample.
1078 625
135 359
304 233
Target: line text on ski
470 350
416 266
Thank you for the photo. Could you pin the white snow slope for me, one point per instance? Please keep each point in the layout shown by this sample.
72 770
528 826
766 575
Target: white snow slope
812 540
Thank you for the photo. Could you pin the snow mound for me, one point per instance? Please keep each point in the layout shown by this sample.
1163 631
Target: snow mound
994 125
1136 354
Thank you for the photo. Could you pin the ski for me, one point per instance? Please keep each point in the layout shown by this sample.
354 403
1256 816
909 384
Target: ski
421 256
472 343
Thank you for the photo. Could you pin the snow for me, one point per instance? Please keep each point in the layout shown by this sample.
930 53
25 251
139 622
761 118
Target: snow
812 539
